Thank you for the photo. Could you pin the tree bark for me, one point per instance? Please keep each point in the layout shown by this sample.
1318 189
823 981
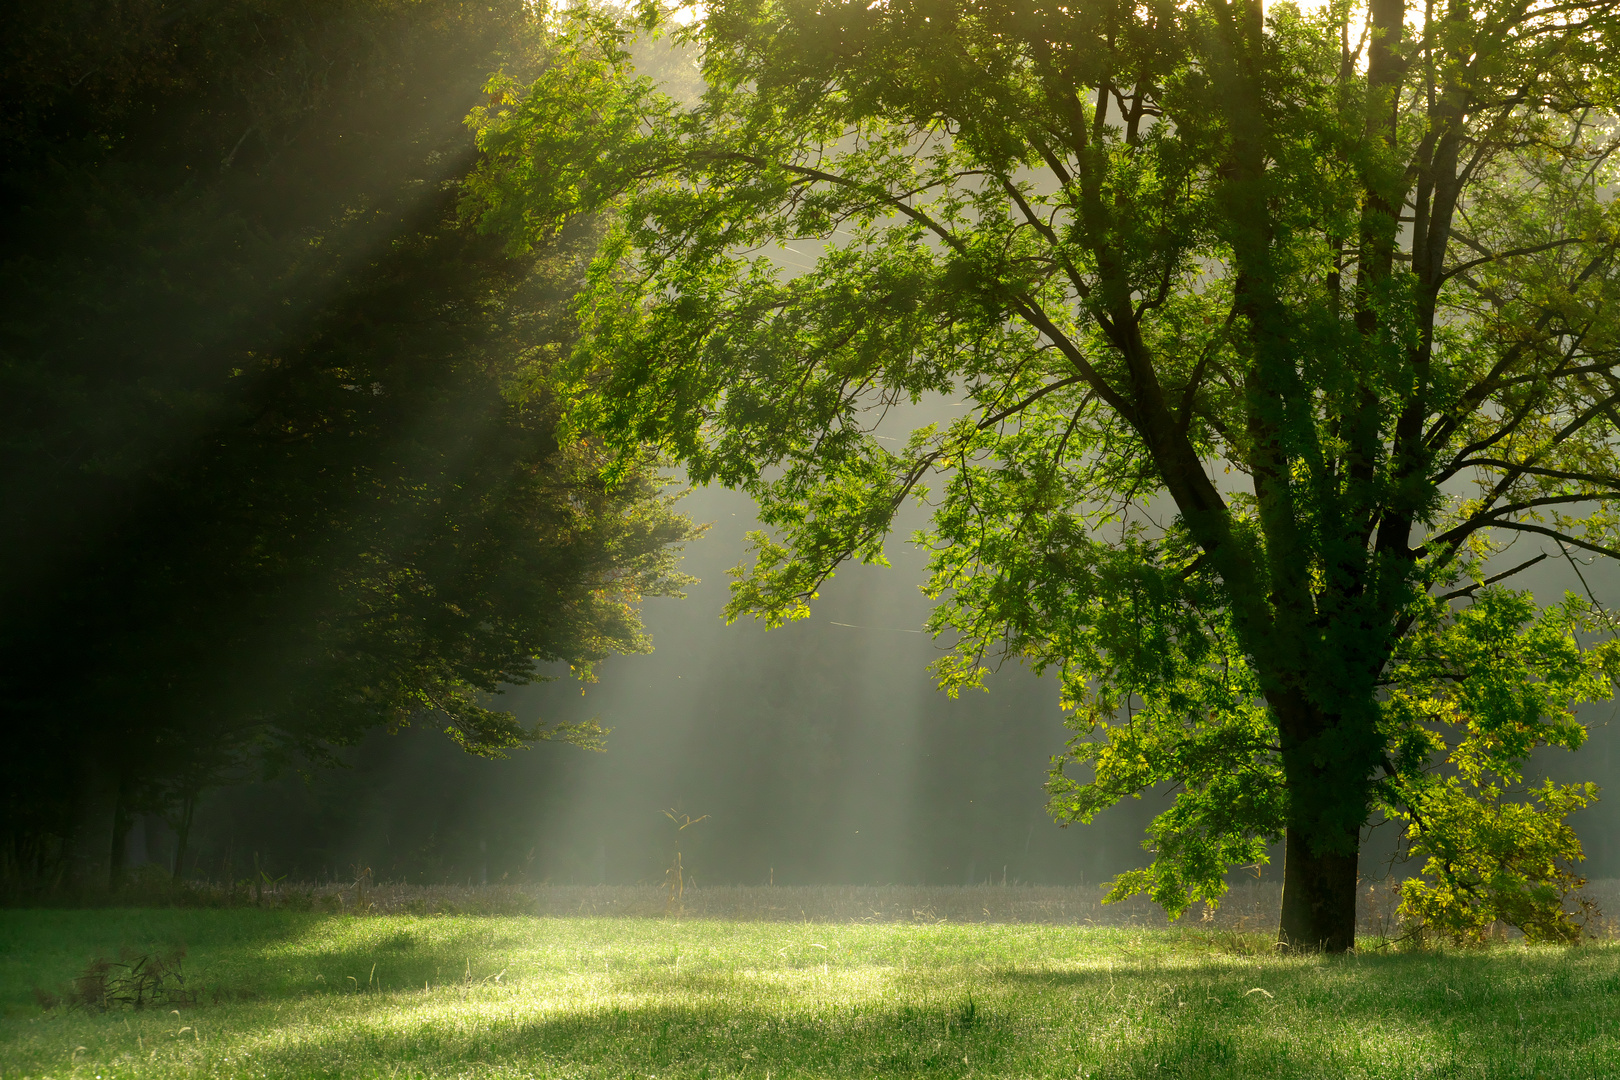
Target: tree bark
1319 898
1327 760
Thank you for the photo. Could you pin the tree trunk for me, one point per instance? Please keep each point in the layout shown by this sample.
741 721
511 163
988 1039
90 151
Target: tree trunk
1319 898
96 800
1327 760
122 820
188 807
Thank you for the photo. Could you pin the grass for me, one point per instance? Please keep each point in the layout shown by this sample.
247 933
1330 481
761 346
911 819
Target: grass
290 994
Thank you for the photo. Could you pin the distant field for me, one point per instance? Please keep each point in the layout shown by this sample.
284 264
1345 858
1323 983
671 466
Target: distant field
1250 906
290 994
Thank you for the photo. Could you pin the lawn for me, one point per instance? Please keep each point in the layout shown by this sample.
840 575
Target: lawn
306 995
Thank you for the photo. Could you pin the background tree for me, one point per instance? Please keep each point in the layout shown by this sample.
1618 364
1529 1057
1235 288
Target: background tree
271 475
1274 330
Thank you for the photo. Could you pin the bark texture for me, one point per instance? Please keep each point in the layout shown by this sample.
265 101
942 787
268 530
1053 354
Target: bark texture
1319 899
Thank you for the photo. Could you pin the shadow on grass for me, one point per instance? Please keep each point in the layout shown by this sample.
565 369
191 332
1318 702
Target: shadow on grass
1489 1015
234 954
691 1039
48 948
339 996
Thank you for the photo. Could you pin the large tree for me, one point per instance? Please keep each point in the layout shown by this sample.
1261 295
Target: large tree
1265 333
270 474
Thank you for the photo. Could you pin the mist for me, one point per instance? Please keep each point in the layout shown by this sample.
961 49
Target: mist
819 753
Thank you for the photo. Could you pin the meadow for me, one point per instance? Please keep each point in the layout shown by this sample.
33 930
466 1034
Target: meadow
282 993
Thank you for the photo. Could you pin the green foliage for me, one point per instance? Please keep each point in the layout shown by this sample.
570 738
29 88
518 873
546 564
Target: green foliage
278 463
1478 690
1257 346
1158 691
1491 860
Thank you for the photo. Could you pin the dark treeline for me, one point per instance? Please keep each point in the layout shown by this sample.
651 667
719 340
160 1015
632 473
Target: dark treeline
273 470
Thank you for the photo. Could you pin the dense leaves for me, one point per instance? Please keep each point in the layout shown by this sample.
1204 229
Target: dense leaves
275 472
1252 338
1479 689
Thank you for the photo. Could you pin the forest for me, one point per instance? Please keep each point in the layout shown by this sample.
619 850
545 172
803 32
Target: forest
272 475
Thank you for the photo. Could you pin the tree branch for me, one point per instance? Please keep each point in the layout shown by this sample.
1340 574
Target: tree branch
1493 579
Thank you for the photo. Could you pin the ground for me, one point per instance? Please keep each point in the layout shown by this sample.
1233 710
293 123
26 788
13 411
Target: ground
303 994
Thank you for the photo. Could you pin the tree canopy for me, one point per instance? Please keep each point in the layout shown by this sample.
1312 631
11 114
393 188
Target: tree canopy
1275 337
271 475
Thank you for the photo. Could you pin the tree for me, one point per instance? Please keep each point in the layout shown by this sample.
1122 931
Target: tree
1273 330
270 476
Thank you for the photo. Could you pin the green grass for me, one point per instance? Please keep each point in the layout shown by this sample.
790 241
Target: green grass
308 995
